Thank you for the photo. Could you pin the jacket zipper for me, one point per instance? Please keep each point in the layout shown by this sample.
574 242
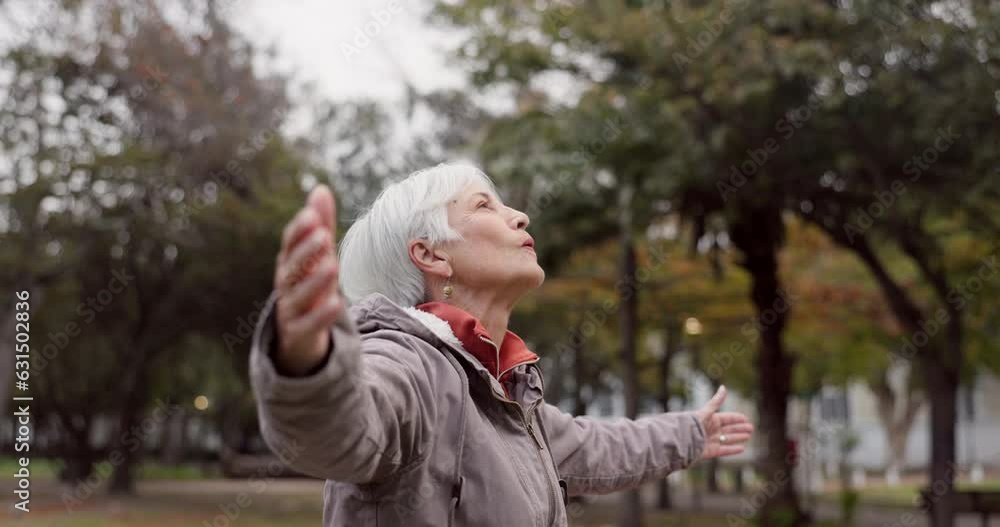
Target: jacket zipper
531 429
531 432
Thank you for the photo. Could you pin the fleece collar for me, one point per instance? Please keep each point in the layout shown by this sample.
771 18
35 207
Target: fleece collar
456 326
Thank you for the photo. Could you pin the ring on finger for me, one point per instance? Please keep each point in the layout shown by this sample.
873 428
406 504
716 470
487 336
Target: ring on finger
723 439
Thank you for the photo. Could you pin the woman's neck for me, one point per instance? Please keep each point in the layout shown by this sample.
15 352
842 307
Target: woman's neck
492 311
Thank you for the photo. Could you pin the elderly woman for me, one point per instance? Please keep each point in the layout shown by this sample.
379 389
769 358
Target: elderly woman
417 404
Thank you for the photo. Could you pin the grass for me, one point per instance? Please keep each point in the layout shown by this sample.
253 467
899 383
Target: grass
189 496
594 517
150 470
169 519
906 495
40 468
286 503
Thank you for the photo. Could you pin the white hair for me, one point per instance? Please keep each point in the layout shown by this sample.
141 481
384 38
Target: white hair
374 254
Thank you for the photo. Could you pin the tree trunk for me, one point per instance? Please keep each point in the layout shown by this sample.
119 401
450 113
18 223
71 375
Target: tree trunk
129 439
759 234
941 364
631 514
942 370
78 464
174 434
897 411
123 474
712 469
943 390
670 345
775 370
579 372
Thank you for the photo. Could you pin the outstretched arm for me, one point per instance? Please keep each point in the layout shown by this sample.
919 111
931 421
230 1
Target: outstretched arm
598 456
332 405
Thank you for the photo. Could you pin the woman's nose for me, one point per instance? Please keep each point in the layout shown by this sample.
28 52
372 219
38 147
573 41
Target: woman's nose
520 219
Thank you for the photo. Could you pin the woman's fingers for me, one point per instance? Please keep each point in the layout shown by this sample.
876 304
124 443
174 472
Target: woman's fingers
732 439
317 319
305 279
322 202
729 418
321 283
304 258
716 401
301 225
729 450
737 428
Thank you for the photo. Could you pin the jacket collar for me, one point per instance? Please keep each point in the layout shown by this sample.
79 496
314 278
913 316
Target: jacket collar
499 360
377 312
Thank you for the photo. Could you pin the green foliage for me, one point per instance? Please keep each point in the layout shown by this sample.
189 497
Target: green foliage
720 106
849 500
161 162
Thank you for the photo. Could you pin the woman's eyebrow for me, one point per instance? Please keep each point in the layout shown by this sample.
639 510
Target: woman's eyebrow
483 194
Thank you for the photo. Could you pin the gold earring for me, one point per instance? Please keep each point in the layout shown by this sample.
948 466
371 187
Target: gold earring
448 289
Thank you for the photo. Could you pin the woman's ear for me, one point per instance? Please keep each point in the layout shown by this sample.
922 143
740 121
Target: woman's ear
429 260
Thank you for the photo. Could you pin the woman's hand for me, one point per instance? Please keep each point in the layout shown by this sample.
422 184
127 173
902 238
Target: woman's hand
725 432
305 277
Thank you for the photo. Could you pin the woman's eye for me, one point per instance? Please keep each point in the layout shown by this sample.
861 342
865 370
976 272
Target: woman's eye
484 204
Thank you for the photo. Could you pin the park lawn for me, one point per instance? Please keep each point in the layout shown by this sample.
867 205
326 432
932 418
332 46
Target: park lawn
39 467
149 470
906 495
167 519
288 504
593 517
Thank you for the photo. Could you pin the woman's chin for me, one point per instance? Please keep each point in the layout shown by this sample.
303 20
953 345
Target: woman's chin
539 276
528 280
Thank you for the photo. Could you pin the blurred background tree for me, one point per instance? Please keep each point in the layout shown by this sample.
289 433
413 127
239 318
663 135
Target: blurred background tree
748 112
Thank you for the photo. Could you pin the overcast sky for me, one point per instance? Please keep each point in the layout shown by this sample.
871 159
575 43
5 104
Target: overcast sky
324 41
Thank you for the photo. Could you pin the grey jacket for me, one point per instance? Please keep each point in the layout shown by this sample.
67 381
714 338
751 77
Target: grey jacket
410 429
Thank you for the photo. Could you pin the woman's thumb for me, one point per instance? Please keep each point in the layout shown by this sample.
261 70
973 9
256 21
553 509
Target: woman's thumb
322 201
716 401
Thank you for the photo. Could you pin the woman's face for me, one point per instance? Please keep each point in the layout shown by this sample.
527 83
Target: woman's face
496 251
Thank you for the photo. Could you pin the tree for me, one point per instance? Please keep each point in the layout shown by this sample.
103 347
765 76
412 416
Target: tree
754 109
123 156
